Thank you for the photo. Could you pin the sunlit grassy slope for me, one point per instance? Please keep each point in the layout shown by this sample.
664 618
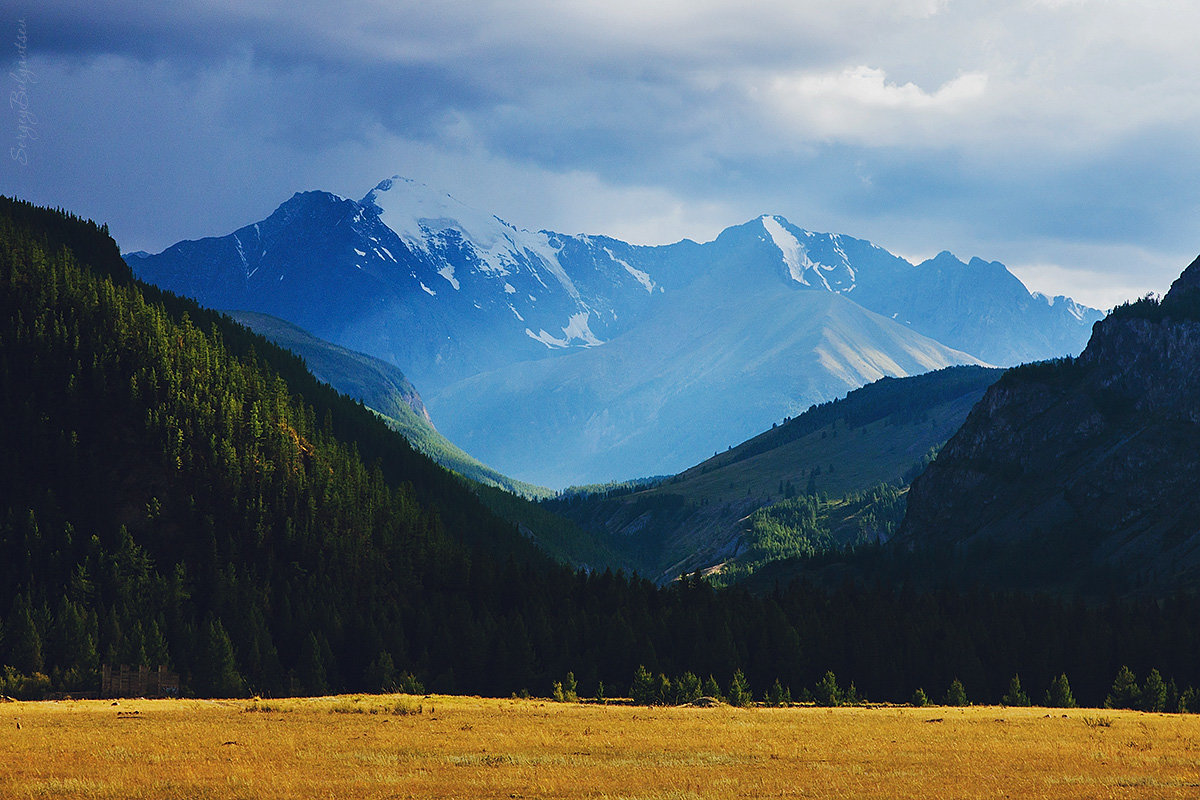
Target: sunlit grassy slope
880 433
873 436
444 747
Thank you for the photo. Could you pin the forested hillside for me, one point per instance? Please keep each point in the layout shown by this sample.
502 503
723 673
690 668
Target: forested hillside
175 490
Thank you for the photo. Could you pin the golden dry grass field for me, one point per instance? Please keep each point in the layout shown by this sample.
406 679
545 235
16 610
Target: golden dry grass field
462 747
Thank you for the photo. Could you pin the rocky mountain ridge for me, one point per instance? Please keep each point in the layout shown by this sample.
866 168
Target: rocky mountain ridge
1086 468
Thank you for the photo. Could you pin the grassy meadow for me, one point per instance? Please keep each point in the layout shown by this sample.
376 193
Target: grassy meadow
462 747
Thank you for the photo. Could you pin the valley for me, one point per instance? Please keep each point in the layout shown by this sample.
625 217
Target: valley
260 532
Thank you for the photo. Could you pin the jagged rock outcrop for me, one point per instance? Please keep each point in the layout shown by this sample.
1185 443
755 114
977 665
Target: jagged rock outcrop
1081 474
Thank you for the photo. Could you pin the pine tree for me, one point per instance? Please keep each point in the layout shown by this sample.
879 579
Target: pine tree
664 691
739 690
1059 694
956 695
1124 692
1015 696
777 695
218 674
826 692
712 689
643 688
920 700
1153 696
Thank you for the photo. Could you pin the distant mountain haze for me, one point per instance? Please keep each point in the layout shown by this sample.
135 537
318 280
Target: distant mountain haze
576 359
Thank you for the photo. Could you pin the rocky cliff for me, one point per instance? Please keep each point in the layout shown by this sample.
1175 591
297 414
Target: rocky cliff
1081 474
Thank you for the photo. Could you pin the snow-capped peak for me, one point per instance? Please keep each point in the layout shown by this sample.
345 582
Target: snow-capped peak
411 208
424 218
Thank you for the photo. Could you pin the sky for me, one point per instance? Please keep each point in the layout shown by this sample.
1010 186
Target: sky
1056 136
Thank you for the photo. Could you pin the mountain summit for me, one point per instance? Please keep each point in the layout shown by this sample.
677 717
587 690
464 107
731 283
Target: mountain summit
583 358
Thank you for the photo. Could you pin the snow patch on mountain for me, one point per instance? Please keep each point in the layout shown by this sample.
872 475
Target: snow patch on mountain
447 272
414 211
641 277
789 246
577 328
546 338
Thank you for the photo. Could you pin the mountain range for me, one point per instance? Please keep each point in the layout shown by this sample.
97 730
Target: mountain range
577 359
181 491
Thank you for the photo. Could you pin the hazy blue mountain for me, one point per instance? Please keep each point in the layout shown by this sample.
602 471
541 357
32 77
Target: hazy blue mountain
381 387
715 366
563 359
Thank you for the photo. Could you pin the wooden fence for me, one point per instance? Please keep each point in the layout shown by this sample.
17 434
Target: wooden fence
127 681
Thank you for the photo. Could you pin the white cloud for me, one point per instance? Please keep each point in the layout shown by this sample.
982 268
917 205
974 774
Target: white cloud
861 104
868 87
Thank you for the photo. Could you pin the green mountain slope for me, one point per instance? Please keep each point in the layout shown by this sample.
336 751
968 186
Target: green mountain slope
879 434
381 387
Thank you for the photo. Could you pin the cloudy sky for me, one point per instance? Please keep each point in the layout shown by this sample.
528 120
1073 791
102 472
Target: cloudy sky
1057 136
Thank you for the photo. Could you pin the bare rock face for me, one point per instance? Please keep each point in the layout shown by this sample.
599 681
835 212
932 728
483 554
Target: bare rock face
1081 475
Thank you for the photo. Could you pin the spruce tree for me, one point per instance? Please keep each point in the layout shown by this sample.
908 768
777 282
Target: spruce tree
311 668
1153 696
956 695
687 688
1124 692
827 692
1059 694
22 642
1015 696
381 673
218 674
739 690
642 689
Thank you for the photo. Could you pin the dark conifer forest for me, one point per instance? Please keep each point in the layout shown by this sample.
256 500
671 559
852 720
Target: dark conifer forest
176 490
